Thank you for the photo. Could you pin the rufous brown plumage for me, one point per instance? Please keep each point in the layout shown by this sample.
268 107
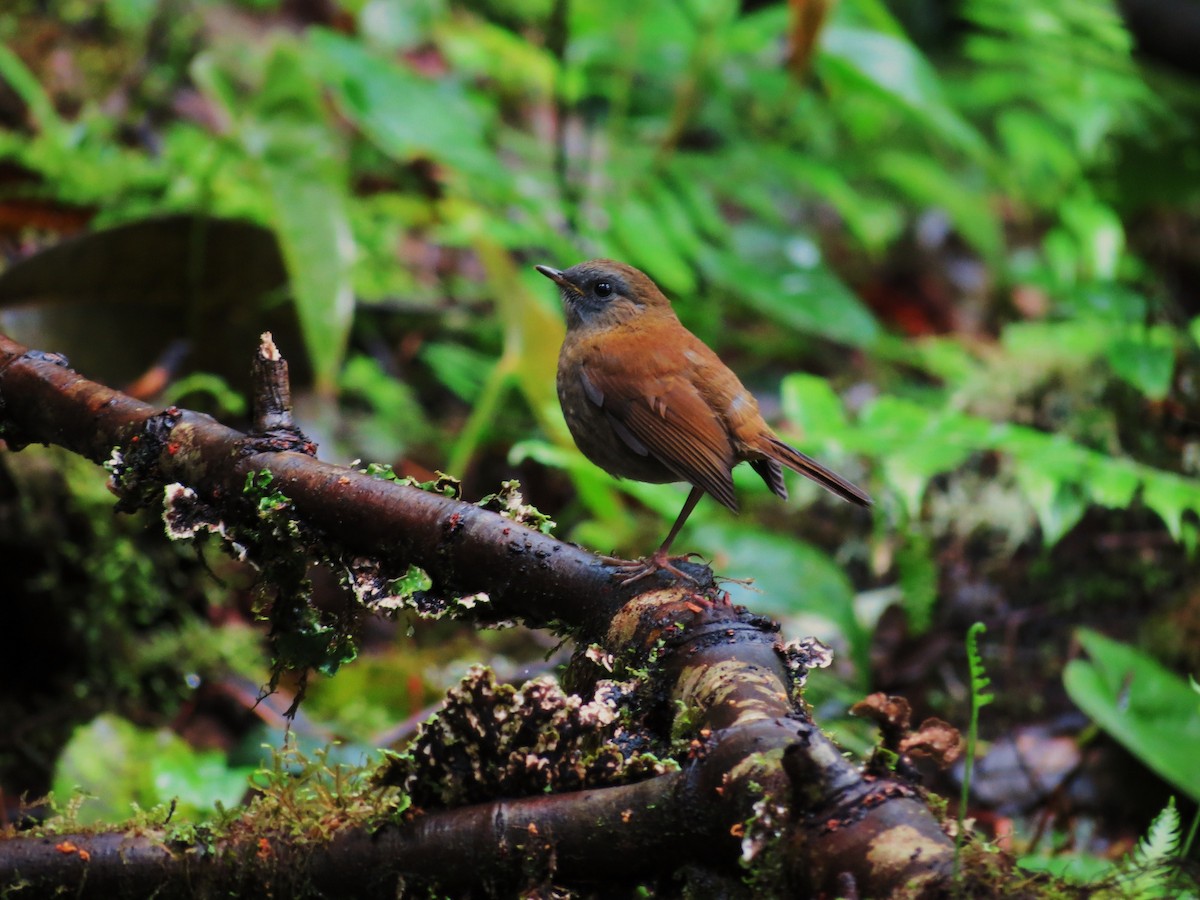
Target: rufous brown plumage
646 399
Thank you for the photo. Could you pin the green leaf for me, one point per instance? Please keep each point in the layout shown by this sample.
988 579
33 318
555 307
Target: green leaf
812 406
533 333
1151 711
133 16
676 220
1077 868
1112 485
790 577
855 59
405 115
1104 300
640 231
914 444
683 179
314 235
27 87
1078 342
461 369
1041 162
288 135
1171 496
1160 844
873 221
924 179
510 61
597 490
1058 508
122 765
786 279
1098 230
1147 362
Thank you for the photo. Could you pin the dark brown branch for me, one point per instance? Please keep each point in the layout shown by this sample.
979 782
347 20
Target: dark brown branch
758 778
464 549
498 840
272 391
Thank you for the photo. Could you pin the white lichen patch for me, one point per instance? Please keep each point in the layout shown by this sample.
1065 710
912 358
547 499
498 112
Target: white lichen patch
185 514
472 600
765 826
510 503
599 656
803 654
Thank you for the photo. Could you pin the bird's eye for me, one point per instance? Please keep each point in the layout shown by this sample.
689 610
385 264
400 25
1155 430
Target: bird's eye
603 290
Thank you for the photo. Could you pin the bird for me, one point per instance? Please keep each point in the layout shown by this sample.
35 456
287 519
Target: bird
646 399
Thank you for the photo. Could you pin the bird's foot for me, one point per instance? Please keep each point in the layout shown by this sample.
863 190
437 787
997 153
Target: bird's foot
633 570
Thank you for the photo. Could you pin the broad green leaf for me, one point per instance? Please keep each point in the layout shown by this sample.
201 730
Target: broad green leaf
811 405
1167 497
646 241
317 247
1068 344
676 220
597 489
405 115
459 368
813 300
1077 868
287 134
1151 711
1104 300
788 281
790 577
1041 162
218 84
485 50
858 58
133 16
123 765
945 357
1146 361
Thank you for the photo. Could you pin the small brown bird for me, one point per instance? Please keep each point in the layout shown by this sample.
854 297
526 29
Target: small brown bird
646 399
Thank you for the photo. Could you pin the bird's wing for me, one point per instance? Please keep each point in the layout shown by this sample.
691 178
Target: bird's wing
655 409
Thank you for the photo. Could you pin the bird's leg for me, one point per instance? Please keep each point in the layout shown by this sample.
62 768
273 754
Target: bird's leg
660 560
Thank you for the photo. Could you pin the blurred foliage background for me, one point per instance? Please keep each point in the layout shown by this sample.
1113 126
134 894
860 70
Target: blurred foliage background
952 246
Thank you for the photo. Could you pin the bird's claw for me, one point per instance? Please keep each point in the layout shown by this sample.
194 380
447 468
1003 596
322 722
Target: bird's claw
637 569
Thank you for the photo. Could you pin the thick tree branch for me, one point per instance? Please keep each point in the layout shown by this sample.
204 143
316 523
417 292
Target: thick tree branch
464 549
711 685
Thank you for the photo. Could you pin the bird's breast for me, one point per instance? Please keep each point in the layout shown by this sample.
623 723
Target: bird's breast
594 432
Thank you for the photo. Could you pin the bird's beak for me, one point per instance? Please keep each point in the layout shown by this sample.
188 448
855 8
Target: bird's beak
557 277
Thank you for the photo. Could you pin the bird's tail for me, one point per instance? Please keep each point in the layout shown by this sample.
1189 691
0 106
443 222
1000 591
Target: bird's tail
777 450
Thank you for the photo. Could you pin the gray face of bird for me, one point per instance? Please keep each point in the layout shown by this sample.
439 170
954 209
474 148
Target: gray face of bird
600 293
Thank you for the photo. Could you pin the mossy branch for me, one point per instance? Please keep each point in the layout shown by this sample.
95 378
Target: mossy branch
749 782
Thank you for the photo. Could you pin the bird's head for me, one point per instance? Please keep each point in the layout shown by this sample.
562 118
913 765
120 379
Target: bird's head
602 292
